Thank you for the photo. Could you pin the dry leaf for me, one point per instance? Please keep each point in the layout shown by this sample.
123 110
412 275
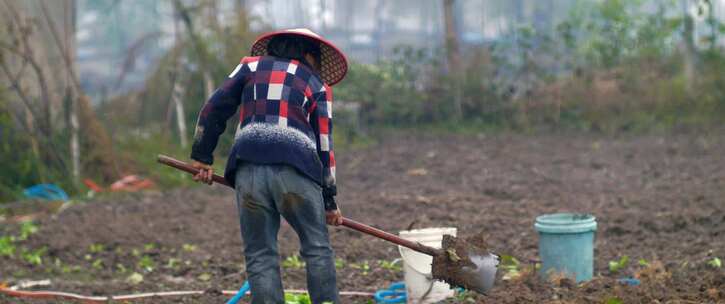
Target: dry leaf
417 172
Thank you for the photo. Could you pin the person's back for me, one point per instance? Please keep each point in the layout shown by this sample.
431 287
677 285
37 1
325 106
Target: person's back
284 106
282 162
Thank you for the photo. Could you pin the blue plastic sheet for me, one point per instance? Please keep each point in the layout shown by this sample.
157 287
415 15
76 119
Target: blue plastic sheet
47 192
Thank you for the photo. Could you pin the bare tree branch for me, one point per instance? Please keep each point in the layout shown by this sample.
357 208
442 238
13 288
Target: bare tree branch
43 137
29 55
205 59
21 72
62 48
17 87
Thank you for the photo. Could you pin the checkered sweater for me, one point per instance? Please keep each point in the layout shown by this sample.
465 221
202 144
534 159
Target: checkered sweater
285 118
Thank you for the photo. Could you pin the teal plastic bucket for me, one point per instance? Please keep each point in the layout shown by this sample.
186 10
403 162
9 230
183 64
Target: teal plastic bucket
566 244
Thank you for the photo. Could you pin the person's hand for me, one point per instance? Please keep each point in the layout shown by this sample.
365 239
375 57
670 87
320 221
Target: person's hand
205 172
334 217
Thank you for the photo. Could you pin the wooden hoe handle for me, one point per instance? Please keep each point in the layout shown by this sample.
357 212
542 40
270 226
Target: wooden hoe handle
388 237
172 162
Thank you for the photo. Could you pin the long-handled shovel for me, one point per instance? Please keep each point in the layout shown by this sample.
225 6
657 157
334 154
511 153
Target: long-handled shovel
477 273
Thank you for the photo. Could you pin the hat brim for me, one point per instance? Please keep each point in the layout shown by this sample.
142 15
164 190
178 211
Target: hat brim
333 65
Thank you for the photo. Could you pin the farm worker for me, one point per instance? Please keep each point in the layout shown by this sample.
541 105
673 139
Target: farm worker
282 161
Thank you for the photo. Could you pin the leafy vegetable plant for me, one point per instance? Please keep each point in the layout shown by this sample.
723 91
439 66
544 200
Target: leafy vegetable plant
364 266
27 228
715 262
393 265
293 261
510 265
146 263
34 257
615 266
7 248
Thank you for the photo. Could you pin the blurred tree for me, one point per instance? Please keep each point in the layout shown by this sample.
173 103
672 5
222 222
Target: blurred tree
688 42
99 154
177 92
26 62
453 52
119 41
38 60
206 60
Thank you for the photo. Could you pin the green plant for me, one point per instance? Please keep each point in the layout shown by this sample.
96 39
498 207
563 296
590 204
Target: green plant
393 265
32 165
66 269
643 263
152 144
715 262
364 266
135 278
149 247
291 298
121 268
613 300
188 247
172 263
615 266
97 264
70 268
339 263
204 277
464 296
96 248
293 261
510 266
146 263
27 228
34 257
7 248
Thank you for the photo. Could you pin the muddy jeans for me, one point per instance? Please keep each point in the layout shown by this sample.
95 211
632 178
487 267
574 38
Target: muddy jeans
264 192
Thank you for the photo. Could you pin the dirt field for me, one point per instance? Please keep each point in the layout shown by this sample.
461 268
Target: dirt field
659 199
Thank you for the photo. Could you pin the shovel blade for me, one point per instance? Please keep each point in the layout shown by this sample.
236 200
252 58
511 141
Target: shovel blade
482 276
465 263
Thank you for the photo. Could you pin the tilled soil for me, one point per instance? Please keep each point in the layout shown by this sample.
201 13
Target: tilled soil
657 199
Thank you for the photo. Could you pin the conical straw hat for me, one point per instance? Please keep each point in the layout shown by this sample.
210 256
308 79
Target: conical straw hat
333 65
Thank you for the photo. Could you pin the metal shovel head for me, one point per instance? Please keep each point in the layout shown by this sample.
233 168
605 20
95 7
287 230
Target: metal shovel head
465 263
481 277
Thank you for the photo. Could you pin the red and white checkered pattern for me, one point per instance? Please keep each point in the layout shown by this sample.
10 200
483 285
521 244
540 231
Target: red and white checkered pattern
286 118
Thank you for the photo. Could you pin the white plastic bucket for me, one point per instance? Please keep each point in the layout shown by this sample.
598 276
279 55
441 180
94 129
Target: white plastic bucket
419 283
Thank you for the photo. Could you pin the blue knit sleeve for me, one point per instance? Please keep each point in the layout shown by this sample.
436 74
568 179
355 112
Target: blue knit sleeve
216 111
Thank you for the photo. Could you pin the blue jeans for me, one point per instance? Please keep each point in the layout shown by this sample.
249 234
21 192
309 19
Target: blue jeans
264 192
